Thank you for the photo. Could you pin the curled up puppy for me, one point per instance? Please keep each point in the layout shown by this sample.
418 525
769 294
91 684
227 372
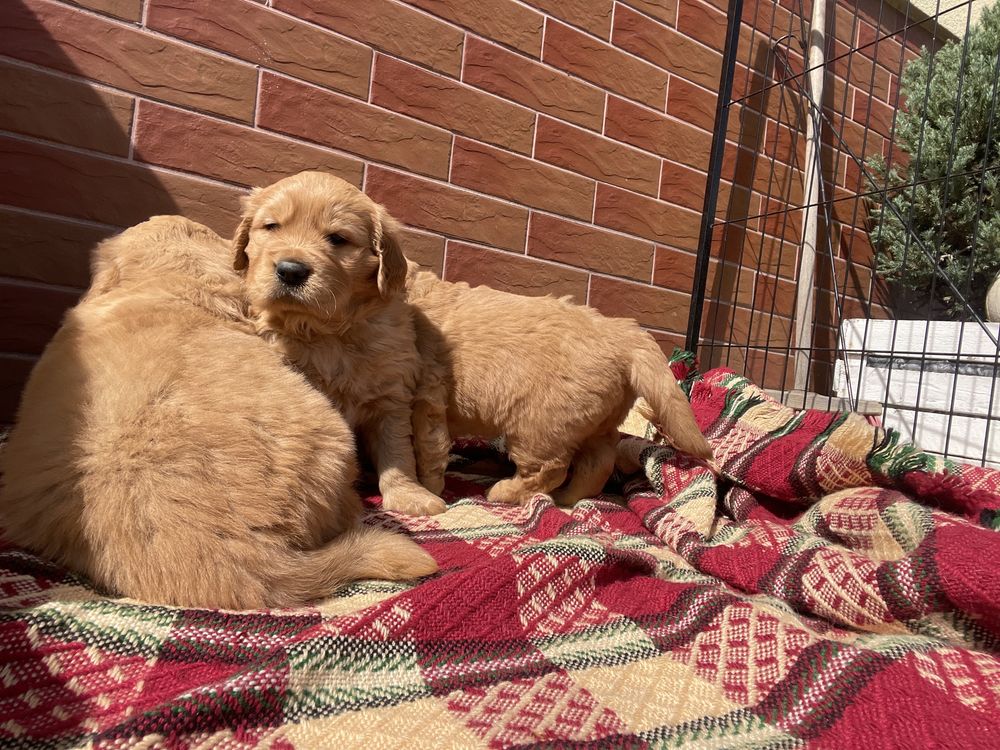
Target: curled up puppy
554 378
166 452
324 275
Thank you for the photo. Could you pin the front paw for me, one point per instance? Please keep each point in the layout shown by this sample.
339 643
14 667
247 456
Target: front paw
417 502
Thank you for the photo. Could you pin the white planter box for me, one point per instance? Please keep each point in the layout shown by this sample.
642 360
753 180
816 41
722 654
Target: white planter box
939 382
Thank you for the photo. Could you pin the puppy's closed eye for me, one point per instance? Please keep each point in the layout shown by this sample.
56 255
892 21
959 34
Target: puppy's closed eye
270 226
336 240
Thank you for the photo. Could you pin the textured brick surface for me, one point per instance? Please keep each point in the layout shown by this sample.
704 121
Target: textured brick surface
540 146
585 246
666 48
387 25
597 157
533 84
602 64
452 212
590 15
203 145
344 123
670 138
56 36
42 248
57 109
646 217
505 21
432 98
490 170
261 36
513 273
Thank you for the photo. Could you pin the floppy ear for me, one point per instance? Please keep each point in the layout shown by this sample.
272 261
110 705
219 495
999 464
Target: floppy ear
242 237
385 244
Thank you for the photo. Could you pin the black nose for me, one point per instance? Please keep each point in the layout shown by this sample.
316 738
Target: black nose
292 273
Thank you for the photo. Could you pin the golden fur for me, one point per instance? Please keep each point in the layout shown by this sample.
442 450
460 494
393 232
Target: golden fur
165 451
555 379
346 326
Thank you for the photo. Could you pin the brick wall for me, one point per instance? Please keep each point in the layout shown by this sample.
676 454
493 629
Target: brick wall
540 147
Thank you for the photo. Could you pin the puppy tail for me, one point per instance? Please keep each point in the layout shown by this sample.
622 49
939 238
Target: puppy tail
669 411
362 552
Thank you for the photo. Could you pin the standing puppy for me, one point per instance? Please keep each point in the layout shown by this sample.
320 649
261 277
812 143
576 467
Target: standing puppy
556 379
324 276
165 451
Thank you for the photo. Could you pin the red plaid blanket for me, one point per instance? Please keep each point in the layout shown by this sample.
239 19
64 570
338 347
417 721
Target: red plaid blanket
835 589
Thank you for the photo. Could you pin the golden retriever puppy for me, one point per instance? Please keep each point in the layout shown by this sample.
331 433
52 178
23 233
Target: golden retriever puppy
554 378
324 275
165 451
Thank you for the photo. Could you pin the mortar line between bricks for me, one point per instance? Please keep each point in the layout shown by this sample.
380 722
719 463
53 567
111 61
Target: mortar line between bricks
102 86
266 132
590 279
134 121
59 217
146 31
123 160
444 258
256 98
555 263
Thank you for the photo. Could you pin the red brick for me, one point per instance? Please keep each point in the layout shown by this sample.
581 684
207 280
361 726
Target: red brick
877 115
504 21
14 371
774 296
65 39
427 250
30 314
855 245
489 170
389 26
341 122
691 103
107 191
129 10
445 209
602 64
666 48
654 132
859 71
480 266
683 186
646 217
590 15
535 85
674 269
702 22
48 249
270 39
195 143
668 341
586 246
71 112
601 158
665 10
649 305
442 101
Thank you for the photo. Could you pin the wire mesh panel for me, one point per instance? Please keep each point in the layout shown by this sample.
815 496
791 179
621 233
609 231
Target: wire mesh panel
852 225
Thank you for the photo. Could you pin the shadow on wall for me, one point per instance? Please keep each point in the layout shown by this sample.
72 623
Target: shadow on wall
66 182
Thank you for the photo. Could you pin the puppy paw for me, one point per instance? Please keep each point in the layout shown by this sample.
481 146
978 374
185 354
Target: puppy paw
508 491
433 482
414 503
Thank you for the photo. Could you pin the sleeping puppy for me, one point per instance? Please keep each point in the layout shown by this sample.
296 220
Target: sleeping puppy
324 275
555 379
166 452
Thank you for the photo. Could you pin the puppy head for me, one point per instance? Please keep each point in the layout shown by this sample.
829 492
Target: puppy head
314 246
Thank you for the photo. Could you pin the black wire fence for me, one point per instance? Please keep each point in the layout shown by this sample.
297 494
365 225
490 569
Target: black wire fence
851 226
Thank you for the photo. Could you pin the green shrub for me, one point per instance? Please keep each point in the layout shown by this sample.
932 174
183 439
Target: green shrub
947 214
